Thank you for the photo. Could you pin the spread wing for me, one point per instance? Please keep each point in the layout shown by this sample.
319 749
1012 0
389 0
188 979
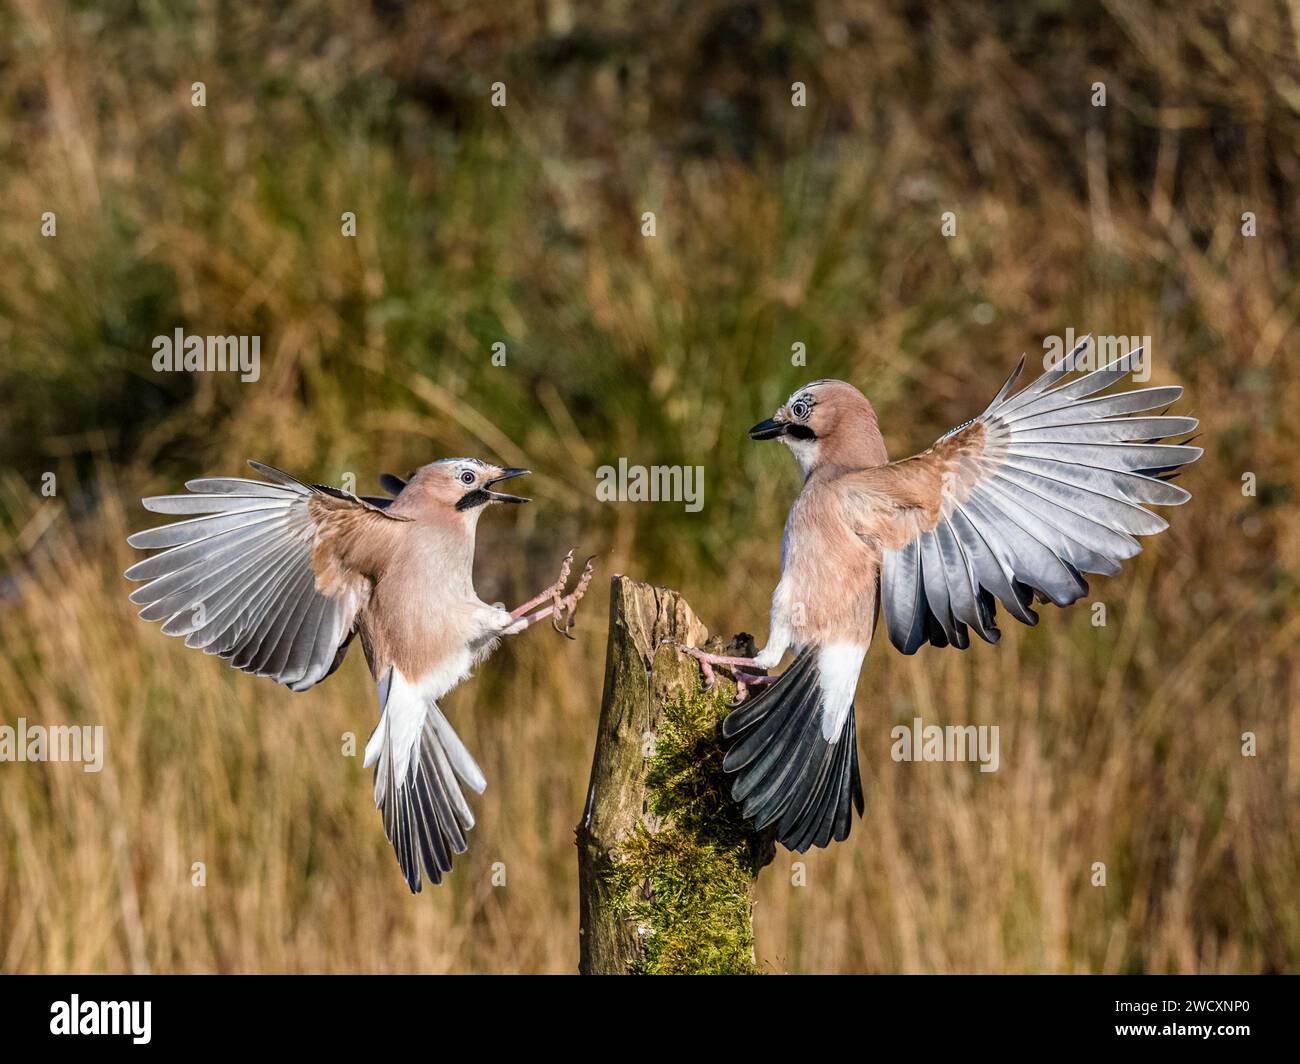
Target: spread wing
1047 484
271 579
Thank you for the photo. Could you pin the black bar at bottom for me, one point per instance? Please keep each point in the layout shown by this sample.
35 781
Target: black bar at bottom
394 1014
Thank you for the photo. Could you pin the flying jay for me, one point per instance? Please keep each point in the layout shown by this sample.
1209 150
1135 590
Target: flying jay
280 576
1012 507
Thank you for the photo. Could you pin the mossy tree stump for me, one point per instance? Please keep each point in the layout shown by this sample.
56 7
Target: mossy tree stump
666 863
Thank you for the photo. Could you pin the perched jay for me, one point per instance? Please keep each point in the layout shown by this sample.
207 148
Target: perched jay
281 576
1014 506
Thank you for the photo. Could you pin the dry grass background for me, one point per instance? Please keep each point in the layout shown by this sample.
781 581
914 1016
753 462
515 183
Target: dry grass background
775 224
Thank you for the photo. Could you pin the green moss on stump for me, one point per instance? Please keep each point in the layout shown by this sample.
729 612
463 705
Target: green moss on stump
686 887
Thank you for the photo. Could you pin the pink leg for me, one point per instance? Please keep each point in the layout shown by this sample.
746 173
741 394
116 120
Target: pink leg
706 658
744 680
548 593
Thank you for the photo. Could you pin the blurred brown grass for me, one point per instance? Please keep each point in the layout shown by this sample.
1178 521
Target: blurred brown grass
775 224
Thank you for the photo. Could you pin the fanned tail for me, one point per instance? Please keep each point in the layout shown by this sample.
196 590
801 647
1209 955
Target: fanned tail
420 764
794 757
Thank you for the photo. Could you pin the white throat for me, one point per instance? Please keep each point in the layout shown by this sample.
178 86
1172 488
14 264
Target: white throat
804 451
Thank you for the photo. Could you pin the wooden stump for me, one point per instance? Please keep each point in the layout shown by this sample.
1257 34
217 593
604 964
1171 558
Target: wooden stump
666 863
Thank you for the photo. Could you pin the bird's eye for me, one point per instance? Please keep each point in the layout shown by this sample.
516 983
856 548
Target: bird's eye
467 477
799 410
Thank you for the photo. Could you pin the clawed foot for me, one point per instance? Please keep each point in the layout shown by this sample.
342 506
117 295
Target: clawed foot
563 608
744 679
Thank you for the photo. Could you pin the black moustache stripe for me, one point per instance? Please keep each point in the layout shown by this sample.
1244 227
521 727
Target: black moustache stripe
477 497
800 432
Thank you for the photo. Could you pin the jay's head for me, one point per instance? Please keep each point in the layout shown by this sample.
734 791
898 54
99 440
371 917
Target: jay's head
826 421
464 485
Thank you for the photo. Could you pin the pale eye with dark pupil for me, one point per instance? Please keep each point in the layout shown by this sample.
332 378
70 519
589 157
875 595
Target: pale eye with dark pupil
467 477
799 410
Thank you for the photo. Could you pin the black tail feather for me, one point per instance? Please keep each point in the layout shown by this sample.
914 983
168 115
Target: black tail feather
786 773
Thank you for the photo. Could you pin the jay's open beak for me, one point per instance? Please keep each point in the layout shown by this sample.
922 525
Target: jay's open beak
768 430
500 496
485 494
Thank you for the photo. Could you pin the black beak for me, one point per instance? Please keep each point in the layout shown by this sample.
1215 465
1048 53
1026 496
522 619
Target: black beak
769 429
500 496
